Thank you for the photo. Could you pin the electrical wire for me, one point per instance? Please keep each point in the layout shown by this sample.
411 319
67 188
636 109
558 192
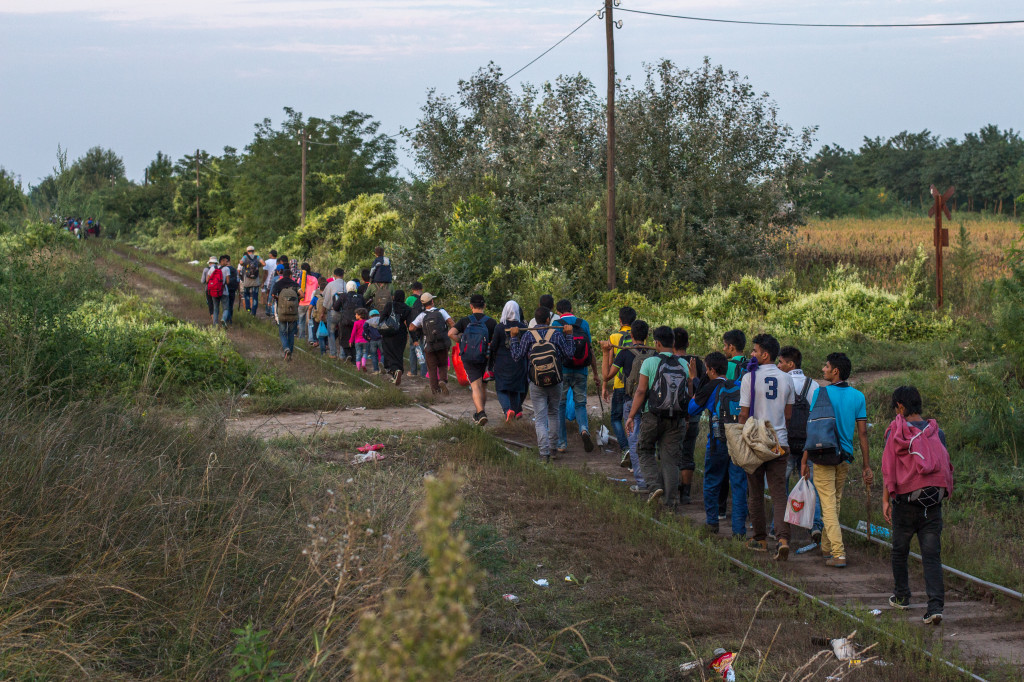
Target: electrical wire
211 168
802 25
564 38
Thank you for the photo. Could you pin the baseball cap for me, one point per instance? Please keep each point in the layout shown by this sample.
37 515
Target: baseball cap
374 312
250 248
426 297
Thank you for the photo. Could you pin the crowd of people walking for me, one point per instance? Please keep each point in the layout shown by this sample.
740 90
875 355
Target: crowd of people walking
768 421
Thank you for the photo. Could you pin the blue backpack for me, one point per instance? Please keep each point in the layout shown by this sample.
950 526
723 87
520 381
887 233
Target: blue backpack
822 444
727 410
476 341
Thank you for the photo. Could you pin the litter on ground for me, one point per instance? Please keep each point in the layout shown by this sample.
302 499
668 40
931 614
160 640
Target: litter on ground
371 456
541 582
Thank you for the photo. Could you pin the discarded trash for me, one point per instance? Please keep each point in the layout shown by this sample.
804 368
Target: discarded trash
689 667
876 612
193 262
954 377
355 409
371 456
541 582
876 531
453 439
843 647
882 663
603 436
807 548
510 597
370 448
618 480
244 395
722 664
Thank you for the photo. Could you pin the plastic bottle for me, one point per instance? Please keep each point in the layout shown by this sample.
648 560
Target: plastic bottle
880 532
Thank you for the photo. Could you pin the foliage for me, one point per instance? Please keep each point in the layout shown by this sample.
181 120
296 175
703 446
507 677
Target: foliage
423 632
12 199
254 659
1009 302
344 235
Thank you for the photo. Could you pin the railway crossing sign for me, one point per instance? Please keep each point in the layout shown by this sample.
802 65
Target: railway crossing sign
941 234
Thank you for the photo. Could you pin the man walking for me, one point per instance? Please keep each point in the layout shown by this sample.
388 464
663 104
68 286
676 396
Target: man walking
286 309
434 322
574 376
250 267
215 277
473 333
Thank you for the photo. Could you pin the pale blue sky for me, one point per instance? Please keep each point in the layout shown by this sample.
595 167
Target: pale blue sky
139 76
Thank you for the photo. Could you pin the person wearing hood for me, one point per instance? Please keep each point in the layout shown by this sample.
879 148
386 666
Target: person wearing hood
916 475
393 342
353 302
509 375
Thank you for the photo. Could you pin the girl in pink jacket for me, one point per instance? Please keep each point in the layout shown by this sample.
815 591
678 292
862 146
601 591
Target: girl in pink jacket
358 341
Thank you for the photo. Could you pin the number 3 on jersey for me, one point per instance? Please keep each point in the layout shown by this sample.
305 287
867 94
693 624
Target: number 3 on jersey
773 388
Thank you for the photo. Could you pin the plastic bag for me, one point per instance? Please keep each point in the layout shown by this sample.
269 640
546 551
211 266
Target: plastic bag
602 435
321 331
800 505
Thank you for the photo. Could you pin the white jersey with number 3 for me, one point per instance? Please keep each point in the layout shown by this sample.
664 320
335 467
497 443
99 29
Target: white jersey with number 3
773 390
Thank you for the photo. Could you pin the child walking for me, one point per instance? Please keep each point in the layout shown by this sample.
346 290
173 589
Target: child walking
358 341
371 332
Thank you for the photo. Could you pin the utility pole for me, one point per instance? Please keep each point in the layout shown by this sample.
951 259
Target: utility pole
941 234
609 25
197 196
302 143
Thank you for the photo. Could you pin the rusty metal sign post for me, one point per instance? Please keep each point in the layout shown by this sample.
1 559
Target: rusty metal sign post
941 236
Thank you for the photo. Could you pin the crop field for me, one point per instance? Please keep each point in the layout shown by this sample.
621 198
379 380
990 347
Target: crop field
877 246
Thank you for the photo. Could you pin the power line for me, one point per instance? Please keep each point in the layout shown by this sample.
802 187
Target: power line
802 25
564 38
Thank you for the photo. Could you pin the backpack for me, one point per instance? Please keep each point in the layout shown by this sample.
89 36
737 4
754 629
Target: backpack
380 298
435 333
796 426
390 325
727 410
252 268
632 380
543 366
352 302
741 367
337 301
288 305
476 340
580 347
667 395
822 438
371 333
232 279
215 283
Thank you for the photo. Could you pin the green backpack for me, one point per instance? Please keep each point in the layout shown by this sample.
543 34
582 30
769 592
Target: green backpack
640 353
288 305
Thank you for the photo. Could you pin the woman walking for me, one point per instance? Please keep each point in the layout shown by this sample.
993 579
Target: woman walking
393 341
509 374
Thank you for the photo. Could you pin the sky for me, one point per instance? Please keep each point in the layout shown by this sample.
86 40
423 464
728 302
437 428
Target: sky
138 76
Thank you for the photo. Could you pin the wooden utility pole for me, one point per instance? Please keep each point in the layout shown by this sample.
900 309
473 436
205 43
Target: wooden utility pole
197 195
609 26
941 235
302 143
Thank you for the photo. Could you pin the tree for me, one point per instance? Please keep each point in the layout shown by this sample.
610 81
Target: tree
12 199
98 168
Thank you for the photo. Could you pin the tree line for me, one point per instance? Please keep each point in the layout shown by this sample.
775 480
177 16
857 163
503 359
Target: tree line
508 186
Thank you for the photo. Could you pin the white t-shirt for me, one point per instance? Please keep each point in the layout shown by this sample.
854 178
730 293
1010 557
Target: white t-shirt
551 323
773 390
799 378
418 322
270 267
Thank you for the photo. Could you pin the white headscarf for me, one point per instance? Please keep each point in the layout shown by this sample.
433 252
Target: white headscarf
351 286
511 313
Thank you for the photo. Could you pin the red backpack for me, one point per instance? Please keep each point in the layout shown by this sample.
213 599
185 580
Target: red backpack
580 347
215 283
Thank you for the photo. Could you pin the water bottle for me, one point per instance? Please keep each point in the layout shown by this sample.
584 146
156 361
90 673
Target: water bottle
880 532
419 356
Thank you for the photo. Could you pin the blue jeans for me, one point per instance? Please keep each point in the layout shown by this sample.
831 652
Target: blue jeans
577 382
251 299
286 330
362 351
718 466
545 409
510 400
415 366
632 440
373 351
618 421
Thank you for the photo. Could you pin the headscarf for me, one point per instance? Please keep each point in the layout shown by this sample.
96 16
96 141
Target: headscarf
350 287
511 313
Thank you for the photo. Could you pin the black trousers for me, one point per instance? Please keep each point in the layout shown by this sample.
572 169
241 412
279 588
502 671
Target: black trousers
907 519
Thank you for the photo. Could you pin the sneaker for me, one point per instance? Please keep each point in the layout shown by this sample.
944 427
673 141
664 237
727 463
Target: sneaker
638 489
901 603
519 415
398 377
288 355
722 517
509 416
782 553
655 494
588 442
560 449
488 376
757 545
836 562
816 536
932 618
624 462
444 388
771 534
480 418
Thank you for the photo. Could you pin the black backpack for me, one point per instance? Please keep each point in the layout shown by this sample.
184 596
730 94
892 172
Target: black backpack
580 347
232 278
435 331
668 393
632 380
337 301
252 268
796 426
543 366
353 302
390 325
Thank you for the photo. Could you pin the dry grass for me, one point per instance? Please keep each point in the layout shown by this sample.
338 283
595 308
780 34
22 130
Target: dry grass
876 246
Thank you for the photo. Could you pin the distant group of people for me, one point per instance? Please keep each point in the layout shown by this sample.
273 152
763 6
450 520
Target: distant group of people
658 392
82 229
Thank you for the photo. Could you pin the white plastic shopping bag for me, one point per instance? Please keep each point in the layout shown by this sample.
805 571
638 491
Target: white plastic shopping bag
800 505
603 436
